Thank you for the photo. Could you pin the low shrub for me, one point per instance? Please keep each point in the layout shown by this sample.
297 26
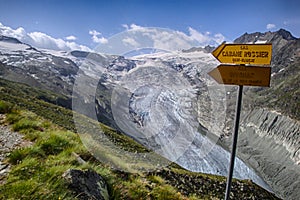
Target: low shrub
18 155
26 124
5 107
13 117
54 145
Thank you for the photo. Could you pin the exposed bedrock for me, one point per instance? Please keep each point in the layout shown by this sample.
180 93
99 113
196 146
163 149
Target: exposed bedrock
270 143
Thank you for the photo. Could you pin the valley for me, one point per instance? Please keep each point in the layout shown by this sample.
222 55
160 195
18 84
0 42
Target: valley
166 102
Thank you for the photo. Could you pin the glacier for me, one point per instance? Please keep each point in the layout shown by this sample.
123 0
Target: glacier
158 104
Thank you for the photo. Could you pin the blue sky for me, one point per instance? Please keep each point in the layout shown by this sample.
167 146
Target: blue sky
91 22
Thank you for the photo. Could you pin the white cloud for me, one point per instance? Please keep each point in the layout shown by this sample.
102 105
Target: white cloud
132 27
200 37
173 40
97 39
18 33
137 37
71 37
270 26
135 27
206 38
130 41
41 40
163 39
94 32
125 26
219 38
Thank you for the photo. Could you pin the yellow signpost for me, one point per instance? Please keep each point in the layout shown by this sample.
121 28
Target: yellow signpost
255 54
240 74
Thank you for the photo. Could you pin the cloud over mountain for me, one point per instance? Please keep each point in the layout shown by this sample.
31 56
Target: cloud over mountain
202 39
95 37
42 40
139 37
134 37
270 26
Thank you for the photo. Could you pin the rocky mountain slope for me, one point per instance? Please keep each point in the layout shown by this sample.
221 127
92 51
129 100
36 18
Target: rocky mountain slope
167 87
283 95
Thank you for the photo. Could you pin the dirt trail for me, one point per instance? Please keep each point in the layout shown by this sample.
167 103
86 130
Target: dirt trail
9 140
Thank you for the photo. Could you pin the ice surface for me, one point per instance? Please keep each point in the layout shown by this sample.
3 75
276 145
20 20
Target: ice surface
157 105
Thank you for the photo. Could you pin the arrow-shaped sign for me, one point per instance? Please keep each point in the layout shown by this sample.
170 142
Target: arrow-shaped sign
256 54
242 75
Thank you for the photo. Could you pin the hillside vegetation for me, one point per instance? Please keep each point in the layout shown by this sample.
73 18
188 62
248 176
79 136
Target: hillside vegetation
37 170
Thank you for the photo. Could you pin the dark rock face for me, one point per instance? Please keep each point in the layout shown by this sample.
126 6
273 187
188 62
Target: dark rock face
9 39
285 46
86 184
269 36
270 143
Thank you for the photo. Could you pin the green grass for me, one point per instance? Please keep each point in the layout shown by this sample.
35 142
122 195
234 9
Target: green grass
151 187
5 107
54 144
36 178
37 169
23 97
25 124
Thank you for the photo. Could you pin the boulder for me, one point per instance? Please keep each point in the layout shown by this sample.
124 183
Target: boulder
86 184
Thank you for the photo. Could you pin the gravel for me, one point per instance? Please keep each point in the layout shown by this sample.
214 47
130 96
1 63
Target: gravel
9 140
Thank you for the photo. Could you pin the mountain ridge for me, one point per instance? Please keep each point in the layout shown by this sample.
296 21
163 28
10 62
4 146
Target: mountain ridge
254 37
9 39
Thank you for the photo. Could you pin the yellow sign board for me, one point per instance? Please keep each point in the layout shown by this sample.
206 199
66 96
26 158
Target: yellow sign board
256 54
242 75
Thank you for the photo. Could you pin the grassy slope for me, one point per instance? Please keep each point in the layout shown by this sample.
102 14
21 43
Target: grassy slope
37 170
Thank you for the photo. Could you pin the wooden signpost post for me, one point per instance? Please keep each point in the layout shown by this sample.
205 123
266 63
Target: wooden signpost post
241 69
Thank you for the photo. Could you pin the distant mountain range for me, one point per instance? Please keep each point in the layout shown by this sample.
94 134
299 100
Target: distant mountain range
57 71
184 72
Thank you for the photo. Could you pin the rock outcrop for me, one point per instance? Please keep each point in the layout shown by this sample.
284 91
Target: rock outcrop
86 184
270 143
189 183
